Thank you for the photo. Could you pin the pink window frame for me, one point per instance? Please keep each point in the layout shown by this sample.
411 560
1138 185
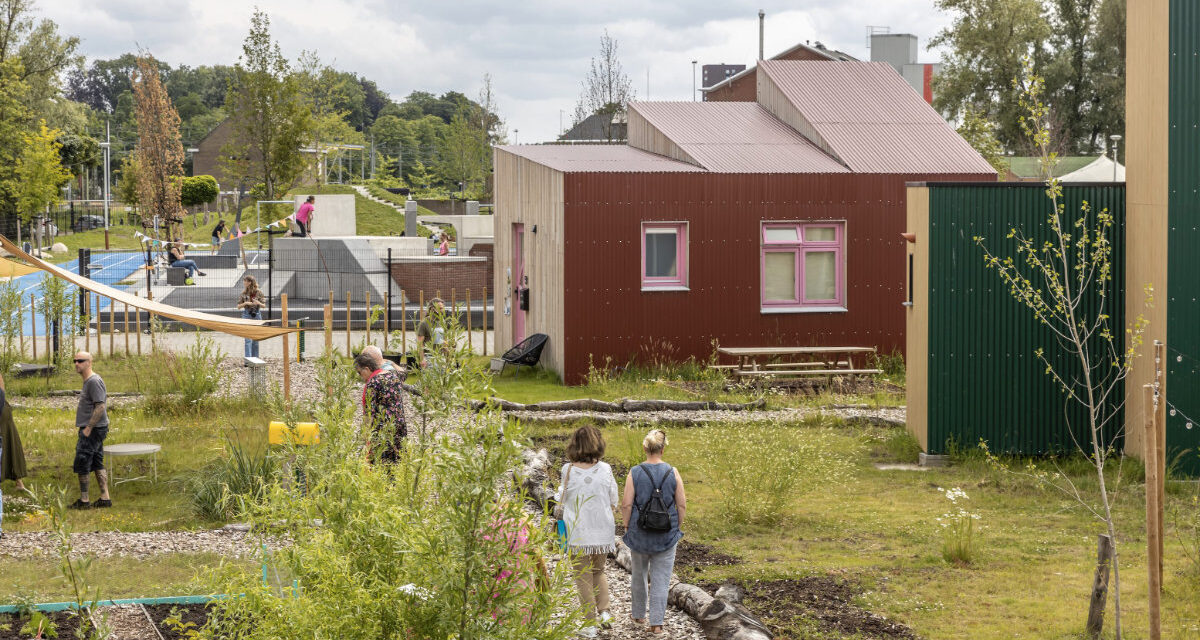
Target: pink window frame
680 279
799 249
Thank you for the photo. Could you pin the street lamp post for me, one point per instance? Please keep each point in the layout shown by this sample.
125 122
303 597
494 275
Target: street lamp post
1116 139
107 146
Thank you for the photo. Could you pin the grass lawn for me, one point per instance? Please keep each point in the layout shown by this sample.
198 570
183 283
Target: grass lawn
39 580
1035 556
121 374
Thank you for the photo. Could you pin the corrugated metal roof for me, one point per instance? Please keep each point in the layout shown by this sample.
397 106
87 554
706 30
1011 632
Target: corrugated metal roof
736 137
872 119
612 158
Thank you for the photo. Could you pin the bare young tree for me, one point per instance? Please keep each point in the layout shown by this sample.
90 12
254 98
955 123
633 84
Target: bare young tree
607 90
159 148
1067 283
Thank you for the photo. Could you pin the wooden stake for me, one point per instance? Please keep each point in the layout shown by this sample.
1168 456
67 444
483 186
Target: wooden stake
87 333
368 318
46 321
21 328
112 326
485 321
139 329
467 299
287 374
126 330
1150 440
99 334
1160 420
328 311
153 340
421 309
403 322
348 354
1095 619
33 325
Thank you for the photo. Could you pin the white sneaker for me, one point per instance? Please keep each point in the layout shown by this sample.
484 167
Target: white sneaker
588 632
606 619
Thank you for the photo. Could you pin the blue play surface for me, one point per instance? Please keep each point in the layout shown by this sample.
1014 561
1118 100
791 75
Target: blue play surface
107 268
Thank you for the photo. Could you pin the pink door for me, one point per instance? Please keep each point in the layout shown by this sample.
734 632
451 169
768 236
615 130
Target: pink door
518 283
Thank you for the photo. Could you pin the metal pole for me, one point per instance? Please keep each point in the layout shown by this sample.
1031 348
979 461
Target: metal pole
347 323
270 270
388 312
107 160
287 373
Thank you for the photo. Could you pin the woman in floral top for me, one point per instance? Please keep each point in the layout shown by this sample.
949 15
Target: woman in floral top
383 409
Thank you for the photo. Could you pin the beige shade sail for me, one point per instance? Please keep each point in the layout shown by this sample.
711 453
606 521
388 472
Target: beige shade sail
10 269
252 329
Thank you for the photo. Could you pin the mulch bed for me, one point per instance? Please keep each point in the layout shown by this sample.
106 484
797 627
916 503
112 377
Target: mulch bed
65 624
828 603
197 614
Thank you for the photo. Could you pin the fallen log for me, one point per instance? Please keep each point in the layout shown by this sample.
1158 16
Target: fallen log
583 404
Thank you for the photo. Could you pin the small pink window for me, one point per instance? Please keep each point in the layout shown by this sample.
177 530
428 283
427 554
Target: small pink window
803 266
664 255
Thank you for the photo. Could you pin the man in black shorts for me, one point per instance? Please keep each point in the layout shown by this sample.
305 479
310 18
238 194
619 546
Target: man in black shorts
92 421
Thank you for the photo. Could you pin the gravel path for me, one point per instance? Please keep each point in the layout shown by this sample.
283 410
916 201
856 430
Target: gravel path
102 544
875 415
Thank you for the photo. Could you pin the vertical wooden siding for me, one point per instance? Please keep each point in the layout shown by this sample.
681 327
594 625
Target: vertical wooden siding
532 194
916 330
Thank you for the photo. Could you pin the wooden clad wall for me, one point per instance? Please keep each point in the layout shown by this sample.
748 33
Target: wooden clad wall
530 193
775 101
916 329
1147 94
647 137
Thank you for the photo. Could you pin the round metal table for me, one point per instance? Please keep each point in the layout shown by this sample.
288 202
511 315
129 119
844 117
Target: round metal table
134 449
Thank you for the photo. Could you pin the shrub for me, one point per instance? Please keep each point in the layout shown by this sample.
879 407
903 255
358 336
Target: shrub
221 489
761 472
185 382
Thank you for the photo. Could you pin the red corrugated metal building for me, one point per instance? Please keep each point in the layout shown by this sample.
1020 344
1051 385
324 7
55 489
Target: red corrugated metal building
765 223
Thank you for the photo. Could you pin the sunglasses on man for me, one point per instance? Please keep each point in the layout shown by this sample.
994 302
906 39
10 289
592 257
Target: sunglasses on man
80 360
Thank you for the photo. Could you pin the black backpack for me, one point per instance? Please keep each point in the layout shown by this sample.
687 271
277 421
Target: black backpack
653 515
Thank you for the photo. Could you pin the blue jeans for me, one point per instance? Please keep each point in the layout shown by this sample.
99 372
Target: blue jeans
657 567
251 345
190 265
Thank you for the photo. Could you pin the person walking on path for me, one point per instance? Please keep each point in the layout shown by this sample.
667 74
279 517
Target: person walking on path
12 457
587 501
251 303
92 421
383 409
651 537
444 245
175 259
216 235
304 216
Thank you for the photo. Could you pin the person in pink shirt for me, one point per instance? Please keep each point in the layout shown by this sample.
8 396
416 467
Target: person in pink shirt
304 217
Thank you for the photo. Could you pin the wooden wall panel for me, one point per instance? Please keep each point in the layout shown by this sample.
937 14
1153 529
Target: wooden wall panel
1147 94
529 193
916 328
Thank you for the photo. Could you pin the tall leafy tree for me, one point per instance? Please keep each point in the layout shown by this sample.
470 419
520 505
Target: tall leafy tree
15 120
980 134
42 52
39 173
159 150
271 122
1106 66
1068 77
462 152
606 88
985 45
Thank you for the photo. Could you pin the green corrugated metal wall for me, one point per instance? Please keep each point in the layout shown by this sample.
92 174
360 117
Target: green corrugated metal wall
1183 235
985 381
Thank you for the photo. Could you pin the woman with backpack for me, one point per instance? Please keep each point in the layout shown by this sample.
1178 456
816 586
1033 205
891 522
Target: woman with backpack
586 501
652 508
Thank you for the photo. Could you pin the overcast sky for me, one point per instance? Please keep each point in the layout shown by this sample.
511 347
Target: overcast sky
537 51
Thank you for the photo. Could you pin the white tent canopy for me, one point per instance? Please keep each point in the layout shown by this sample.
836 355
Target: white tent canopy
1100 170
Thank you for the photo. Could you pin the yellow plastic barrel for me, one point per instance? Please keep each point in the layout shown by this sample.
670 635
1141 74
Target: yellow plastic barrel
305 433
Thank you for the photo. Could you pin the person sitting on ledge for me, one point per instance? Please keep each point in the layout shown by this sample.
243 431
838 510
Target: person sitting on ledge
175 259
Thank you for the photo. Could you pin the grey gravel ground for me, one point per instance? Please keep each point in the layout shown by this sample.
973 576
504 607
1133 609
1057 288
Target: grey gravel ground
134 545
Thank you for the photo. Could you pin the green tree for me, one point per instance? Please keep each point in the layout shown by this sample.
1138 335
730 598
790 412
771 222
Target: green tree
980 134
462 153
39 173
985 45
271 122
159 150
14 124
126 190
1107 70
198 190
1071 85
42 52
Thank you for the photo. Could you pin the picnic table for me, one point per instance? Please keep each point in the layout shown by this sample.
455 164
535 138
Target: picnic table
796 362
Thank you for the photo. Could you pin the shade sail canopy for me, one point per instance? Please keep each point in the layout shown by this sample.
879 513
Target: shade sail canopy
252 329
10 269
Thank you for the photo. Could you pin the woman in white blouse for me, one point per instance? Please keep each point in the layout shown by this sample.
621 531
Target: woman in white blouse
588 496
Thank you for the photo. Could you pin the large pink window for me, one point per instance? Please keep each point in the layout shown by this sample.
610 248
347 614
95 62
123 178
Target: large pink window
664 255
803 266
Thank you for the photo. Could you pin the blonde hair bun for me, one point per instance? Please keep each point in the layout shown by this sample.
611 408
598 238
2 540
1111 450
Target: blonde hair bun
655 441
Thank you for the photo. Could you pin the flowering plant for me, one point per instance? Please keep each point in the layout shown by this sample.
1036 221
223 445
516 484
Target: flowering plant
958 528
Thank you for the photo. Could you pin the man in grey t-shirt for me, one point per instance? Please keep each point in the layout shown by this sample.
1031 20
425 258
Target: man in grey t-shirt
92 421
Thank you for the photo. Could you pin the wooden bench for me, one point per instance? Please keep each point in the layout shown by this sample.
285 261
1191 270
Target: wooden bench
797 362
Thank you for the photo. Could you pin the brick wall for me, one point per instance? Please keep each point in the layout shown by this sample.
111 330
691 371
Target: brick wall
443 274
485 250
